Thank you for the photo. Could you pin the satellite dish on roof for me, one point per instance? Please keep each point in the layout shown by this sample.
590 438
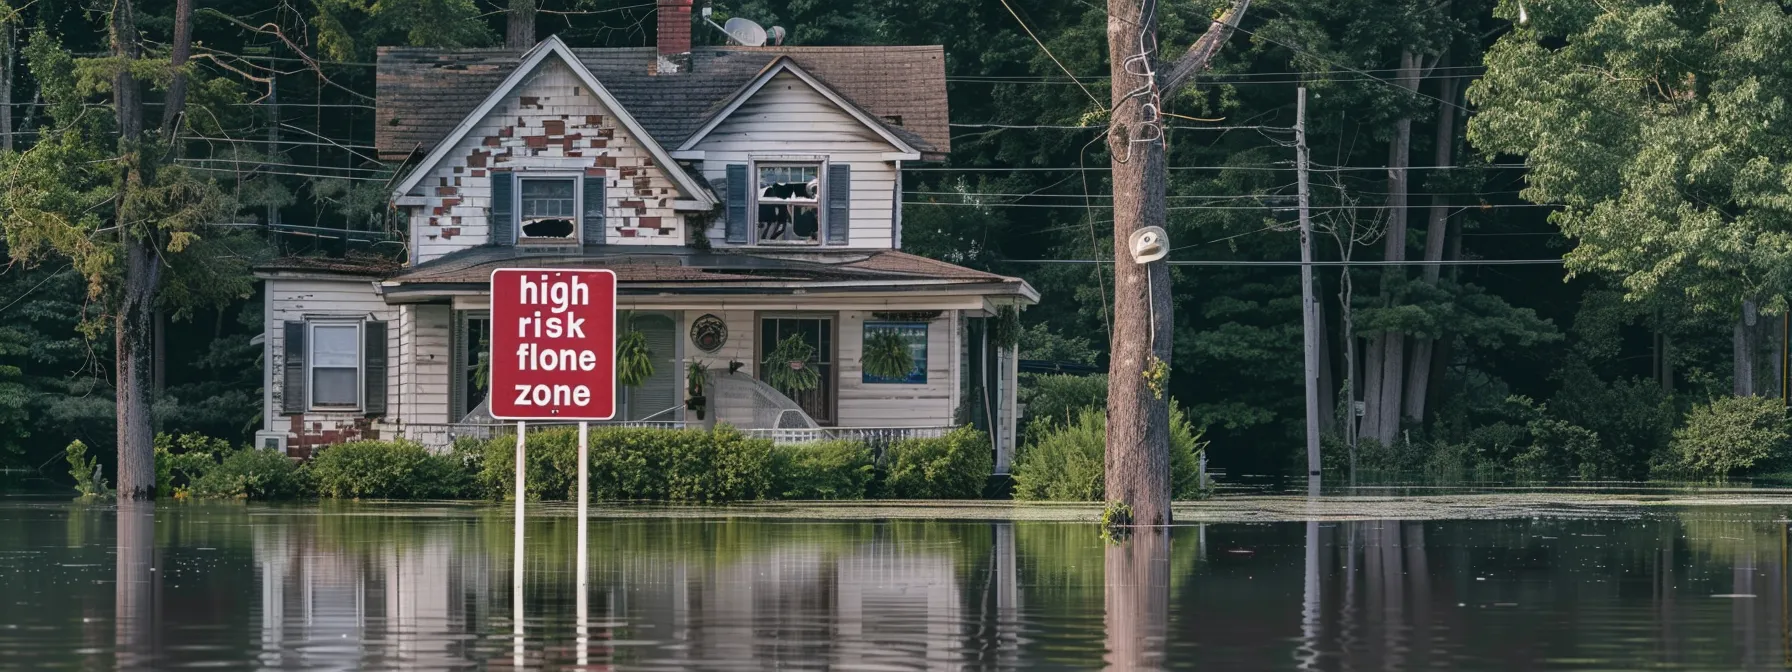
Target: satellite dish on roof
776 33
744 32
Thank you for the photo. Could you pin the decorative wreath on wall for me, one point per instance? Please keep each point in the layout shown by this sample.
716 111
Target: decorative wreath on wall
709 333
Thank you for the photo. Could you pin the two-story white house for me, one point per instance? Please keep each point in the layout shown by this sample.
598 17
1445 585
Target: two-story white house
742 196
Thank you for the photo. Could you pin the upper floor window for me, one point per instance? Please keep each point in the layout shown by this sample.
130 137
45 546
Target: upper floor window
789 198
549 208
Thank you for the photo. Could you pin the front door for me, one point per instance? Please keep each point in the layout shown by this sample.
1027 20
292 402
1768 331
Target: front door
818 332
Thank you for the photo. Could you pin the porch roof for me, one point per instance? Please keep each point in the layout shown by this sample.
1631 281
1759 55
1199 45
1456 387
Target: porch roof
675 268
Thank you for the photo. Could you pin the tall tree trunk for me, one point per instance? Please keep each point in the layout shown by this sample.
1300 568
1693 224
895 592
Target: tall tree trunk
1418 375
132 321
1742 350
1370 424
519 26
8 62
1138 434
180 51
1138 448
1387 405
1328 385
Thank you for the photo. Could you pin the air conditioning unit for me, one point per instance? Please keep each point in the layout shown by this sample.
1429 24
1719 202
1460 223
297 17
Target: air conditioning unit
271 440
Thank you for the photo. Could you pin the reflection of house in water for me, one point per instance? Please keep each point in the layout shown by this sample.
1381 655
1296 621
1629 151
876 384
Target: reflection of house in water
852 606
344 605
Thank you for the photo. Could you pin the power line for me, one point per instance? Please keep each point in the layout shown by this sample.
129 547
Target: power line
1278 264
1337 169
1474 206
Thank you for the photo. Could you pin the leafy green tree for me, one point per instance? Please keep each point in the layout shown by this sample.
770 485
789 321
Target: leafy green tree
1662 129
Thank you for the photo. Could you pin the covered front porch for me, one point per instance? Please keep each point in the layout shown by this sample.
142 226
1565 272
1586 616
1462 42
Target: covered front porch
724 316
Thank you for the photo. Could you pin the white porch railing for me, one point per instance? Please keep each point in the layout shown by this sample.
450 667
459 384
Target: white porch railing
876 437
442 435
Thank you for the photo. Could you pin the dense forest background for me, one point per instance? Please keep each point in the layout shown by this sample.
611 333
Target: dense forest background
1506 354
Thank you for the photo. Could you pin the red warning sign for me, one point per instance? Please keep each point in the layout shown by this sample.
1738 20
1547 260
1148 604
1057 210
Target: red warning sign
553 345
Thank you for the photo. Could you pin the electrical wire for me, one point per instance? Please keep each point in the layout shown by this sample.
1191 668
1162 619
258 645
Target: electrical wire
1297 264
1049 54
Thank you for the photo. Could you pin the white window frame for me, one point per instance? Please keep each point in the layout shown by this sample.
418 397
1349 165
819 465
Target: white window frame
821 197
578 205
311 364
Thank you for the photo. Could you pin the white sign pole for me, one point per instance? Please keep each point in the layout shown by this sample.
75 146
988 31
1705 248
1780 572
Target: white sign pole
584 568
516 568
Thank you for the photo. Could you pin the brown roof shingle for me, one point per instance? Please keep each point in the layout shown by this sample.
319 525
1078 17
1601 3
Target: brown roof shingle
424 93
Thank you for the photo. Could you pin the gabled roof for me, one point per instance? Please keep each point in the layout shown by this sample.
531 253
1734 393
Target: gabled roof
784 64
424 93
554 48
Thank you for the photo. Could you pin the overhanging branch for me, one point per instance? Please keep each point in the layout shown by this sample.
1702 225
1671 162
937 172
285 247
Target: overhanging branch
1201 52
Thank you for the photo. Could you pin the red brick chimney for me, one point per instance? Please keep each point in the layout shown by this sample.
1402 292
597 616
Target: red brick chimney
674 37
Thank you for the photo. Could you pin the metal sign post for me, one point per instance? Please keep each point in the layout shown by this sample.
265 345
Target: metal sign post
516 558
583 568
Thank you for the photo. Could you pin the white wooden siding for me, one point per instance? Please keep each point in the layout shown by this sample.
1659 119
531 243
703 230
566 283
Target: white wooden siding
862 404
789 118
424 363
457 191
291 299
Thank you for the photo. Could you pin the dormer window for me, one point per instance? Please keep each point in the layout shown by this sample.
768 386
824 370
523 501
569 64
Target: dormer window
549 209
789 203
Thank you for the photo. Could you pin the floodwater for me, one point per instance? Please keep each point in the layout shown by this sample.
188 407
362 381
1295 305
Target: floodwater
234 586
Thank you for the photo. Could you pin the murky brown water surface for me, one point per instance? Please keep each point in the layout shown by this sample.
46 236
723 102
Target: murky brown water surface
1493 582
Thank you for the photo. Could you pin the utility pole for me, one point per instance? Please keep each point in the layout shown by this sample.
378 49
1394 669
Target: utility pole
1138 432
1309 310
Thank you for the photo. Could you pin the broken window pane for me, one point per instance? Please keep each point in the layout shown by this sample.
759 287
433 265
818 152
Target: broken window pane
548 207
790 203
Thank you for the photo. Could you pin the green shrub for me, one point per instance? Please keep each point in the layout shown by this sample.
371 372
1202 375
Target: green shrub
386 470
252 474
181 460
1633 418
1067 461
1732 436
1059 399
954 466
821 470
634 464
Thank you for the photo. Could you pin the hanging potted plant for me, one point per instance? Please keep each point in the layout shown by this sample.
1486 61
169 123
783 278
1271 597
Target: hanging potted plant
1004 327
887 355
790 366
696 401
634 360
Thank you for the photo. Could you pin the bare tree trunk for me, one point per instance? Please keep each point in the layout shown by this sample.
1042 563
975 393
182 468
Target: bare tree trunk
1370 425
1137 598
1347 325
180 51
1387 406
519 26
1138 449
8 62
1418 375
132 321
1742 351
1138 440
1328 386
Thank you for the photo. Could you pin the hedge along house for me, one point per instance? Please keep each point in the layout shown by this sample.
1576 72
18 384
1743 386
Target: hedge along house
745 197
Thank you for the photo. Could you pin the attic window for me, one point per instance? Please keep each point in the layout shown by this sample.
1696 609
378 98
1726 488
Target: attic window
790 204
548 207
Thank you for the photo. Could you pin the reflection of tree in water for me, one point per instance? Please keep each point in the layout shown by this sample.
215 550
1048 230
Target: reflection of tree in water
135 622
